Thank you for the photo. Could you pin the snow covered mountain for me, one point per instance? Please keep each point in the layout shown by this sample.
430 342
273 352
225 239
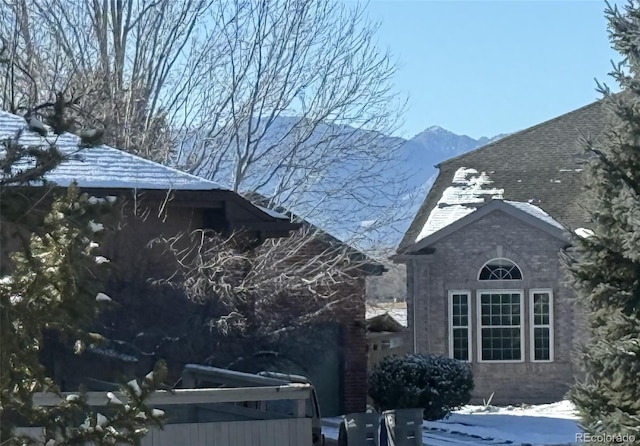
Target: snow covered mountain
428 148
413 169
436 144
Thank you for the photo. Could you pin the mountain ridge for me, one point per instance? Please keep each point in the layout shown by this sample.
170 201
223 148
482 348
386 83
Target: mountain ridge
386 201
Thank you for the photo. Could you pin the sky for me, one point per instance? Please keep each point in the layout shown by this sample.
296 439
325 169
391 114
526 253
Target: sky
482 68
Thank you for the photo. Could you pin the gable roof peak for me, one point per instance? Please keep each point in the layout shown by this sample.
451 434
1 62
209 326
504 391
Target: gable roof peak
543 163
526 212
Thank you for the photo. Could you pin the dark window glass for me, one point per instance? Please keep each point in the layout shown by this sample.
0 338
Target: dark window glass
501 332
460 326
541 326
500 269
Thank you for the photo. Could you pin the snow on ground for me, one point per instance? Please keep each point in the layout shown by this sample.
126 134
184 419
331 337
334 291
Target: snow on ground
546 424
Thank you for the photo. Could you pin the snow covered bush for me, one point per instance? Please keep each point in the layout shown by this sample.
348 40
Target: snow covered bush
436 383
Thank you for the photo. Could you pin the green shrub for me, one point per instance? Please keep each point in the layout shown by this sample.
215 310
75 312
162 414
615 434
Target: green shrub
436 383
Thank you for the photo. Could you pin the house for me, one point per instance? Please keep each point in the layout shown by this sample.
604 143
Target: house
153 201
150 201
385 337
339 374
484 278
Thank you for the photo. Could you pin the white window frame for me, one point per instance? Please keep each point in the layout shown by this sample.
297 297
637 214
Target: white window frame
468 326
497 259
532 327
479 325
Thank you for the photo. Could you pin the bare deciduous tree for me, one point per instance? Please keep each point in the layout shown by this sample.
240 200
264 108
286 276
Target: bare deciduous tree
299 106
123 58
250 300
278 286
290 98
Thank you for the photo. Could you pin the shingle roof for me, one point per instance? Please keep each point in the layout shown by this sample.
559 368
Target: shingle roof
102 166
541 165
367 264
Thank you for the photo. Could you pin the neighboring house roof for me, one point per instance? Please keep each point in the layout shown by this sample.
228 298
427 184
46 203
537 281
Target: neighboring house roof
540 166
105 167
368 265
384 323
101 166
397 311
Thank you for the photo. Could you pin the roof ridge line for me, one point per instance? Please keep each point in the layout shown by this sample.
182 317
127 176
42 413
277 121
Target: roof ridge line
519 133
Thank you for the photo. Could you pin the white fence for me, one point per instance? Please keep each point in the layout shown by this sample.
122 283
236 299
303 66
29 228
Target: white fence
272 431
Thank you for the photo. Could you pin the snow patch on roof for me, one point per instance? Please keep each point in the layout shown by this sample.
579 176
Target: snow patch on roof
272 213
584 233
398 311
536 212
461 175
468 191
101 166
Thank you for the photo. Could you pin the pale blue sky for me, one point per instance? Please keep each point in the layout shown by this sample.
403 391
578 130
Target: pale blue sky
486 67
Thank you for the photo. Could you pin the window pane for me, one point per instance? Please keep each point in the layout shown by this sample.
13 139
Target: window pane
460 326
501 344
501 333
541 308
460 310
461 344
500 269
541 344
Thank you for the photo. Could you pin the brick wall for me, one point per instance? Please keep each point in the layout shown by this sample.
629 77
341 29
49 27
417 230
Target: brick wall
455 265
355 352
350 314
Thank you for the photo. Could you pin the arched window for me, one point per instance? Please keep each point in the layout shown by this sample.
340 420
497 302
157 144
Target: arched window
500 269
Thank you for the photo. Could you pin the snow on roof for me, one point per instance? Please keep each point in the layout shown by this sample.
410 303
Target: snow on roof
272 213
101 166
468 190
584 232
536 212
398 311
